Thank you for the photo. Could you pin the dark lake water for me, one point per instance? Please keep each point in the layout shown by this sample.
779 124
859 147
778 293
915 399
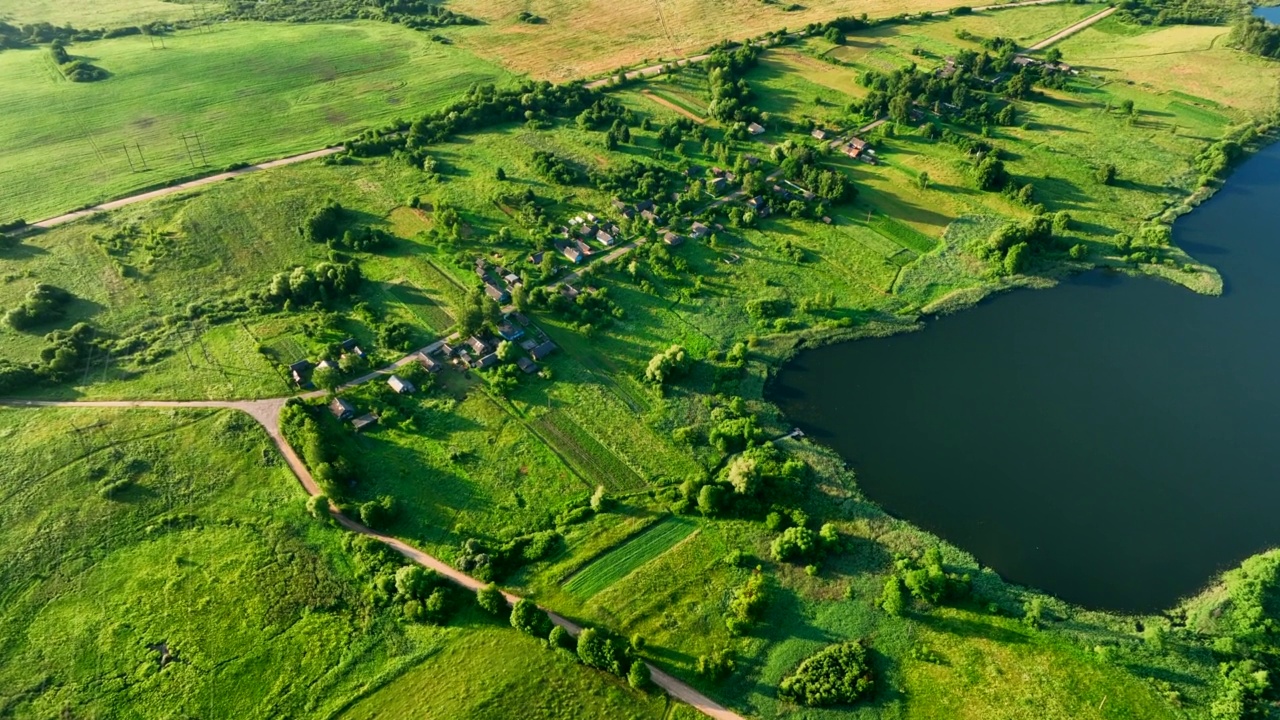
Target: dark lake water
1114 441
1270 14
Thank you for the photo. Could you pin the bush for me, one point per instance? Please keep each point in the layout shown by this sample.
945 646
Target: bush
491 600
667 364
794 542
601 650
528 618
44 304
638 676
716 666
561 638
836 675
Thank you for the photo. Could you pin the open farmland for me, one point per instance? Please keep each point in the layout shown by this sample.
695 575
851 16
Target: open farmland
98 13
621 560
237 93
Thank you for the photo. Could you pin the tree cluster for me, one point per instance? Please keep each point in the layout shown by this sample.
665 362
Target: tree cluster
416 14
42 305
666 365
730 93
494 561
555 168
836 675
326 282
748 603
73 68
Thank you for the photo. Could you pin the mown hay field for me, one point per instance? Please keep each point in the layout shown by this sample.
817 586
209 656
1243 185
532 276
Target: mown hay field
623 559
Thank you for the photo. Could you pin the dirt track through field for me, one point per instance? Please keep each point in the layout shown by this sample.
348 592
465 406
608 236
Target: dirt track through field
1068 32
267 414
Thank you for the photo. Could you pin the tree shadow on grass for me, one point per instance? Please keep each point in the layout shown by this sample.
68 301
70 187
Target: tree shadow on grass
964 627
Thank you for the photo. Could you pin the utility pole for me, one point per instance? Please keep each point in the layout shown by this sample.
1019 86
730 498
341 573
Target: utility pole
200 145
140 157
130 159
191 159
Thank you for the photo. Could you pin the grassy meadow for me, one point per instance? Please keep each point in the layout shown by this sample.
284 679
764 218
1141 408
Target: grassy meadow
467 458
206 547
98 13
250 91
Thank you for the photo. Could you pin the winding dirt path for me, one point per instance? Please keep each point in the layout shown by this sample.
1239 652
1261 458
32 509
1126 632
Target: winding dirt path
267 414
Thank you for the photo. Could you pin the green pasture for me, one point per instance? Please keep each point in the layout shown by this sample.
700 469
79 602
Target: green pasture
214 96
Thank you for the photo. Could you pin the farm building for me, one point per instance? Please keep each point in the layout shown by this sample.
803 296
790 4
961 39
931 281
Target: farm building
477 346
605 238
364 421
400 385
543 350
430 363
651 216
699 230
342 409
672 239
819 134
527 365
326 365
509 331
487 361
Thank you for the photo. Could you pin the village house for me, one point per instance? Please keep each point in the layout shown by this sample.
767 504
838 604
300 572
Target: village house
751 160
755 129
698 230
509 331
487 361
572 254
672 239
758 204
717 186
476 345
431 364
342 409
536 258
605 238
512 280
819 134
400 385
542 351
527 365
496 293
326 365
583 248
448 350
529 344
651 216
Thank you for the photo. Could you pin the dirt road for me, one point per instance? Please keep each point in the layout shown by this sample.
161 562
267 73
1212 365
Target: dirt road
267 414
153 194
1071 30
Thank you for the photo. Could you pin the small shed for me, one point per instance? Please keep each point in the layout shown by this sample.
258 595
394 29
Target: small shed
487 361
342 409
672 239
300 366
326 365
755 129
717 185
509 331
478 346
431 364
527 365
819 134
543 350
349 344
364 421
400 385
699 230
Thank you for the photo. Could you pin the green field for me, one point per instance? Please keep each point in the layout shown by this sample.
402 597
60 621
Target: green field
212 524
625 558
98 13
250 91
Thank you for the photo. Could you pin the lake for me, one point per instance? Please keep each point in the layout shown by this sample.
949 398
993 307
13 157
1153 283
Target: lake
1270 14
1114 441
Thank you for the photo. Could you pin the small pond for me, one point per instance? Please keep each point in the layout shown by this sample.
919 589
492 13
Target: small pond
1114 441
1270 14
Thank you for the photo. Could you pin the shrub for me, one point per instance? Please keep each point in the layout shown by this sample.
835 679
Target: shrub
893 599
638 676
491 600
836 675
716 665
794 542
601 650
528 618
561 638
1105 174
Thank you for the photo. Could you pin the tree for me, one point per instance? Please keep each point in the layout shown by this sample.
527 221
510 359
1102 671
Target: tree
491 600
990 174
922 180
413 582
326 378
710 499
744 475
835 675
561 638
506 351
528 618
794 542
1016 259
638 676
900 108
1105 174
602 651
1053 56
1079 251
893 598
500 174
1127 108
666 364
